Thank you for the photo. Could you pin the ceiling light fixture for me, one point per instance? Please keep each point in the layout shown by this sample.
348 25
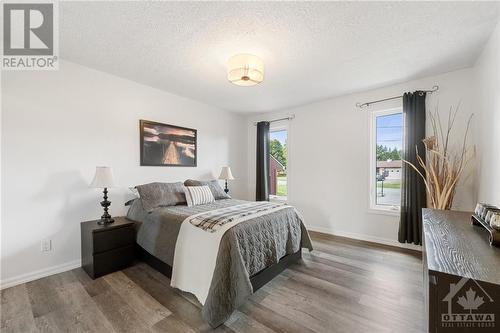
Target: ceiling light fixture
245 70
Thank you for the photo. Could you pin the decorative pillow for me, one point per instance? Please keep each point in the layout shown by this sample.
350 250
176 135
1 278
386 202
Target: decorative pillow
214 186
134 191
154 195
198 195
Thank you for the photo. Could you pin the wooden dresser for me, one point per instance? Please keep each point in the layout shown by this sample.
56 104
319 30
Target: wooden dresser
461 274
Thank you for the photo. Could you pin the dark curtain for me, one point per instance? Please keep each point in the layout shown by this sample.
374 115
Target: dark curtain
262 186
413 194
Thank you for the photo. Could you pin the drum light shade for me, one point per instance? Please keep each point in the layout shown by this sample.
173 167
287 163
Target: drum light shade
245 70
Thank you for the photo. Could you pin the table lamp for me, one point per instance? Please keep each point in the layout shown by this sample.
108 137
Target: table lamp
225 174
103 178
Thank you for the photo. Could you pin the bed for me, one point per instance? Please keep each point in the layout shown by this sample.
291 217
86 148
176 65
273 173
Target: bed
222 273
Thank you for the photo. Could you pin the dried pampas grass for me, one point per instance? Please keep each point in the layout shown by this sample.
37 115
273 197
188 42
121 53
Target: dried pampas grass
444 165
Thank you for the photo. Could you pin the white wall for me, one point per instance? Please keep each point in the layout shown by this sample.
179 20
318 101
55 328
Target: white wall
487 70
329 145
57 126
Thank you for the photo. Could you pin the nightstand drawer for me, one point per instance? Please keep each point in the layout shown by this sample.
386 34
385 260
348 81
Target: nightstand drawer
107 248
112 261
114 238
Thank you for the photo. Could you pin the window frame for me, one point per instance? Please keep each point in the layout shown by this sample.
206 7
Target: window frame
373 206
275 127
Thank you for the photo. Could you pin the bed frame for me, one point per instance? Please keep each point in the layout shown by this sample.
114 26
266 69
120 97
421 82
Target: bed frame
257 280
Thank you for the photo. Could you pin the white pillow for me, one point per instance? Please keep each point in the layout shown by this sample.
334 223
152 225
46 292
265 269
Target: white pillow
136 196
134 191
198 195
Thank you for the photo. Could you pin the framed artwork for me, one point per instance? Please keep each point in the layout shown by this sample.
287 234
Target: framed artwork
167 145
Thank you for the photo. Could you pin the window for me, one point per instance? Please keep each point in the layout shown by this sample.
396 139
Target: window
386 148
278 163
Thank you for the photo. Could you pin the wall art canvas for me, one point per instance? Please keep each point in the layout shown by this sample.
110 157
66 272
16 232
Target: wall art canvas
167 145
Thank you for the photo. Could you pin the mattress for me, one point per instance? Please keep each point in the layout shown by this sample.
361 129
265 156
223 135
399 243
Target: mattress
157 231
244 250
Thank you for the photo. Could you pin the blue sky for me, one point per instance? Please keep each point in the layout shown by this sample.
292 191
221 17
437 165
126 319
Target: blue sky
279 135
389 130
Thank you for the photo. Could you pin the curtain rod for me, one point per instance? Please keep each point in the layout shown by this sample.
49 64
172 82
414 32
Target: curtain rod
363 105
280 119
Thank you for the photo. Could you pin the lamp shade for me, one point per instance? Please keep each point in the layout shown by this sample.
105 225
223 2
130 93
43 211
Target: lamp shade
225 173
245 70
103 177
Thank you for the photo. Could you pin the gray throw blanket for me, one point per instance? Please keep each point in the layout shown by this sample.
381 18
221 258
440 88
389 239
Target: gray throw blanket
245 249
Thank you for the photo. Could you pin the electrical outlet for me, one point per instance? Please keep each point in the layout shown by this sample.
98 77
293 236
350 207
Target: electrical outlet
46 245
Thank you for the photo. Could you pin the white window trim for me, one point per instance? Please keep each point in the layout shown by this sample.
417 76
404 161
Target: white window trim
280 126
277 198
373 207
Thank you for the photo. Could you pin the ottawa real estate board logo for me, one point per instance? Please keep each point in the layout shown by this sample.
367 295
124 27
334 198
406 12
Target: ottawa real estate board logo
30 36
468 307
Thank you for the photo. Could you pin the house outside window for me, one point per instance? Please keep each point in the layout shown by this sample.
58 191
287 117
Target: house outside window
385 166
278 163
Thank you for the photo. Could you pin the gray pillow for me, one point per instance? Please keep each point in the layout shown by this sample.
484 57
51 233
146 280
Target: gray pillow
154 195
214 186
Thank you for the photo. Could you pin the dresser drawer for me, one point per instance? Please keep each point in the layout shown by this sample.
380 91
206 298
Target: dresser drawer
114 238
114 260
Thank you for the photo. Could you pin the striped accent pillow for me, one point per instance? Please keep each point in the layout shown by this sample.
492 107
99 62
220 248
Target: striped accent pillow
198 195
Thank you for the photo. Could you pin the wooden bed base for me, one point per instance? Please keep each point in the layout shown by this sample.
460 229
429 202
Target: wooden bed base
257 280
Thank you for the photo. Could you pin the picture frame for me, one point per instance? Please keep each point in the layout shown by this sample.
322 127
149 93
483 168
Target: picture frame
167 145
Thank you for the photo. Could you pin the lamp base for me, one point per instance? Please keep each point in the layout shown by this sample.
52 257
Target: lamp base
106 221
225 188
105 218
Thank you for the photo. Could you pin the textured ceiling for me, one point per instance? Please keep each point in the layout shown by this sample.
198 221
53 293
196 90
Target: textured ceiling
311 50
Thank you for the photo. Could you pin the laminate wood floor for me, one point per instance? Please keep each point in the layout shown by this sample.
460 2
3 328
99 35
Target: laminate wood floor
342 286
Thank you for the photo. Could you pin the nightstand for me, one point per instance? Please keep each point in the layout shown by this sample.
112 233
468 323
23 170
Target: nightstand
107 248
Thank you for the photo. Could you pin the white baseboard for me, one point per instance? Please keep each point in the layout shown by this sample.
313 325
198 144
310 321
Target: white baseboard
23 278
27 277
367 238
